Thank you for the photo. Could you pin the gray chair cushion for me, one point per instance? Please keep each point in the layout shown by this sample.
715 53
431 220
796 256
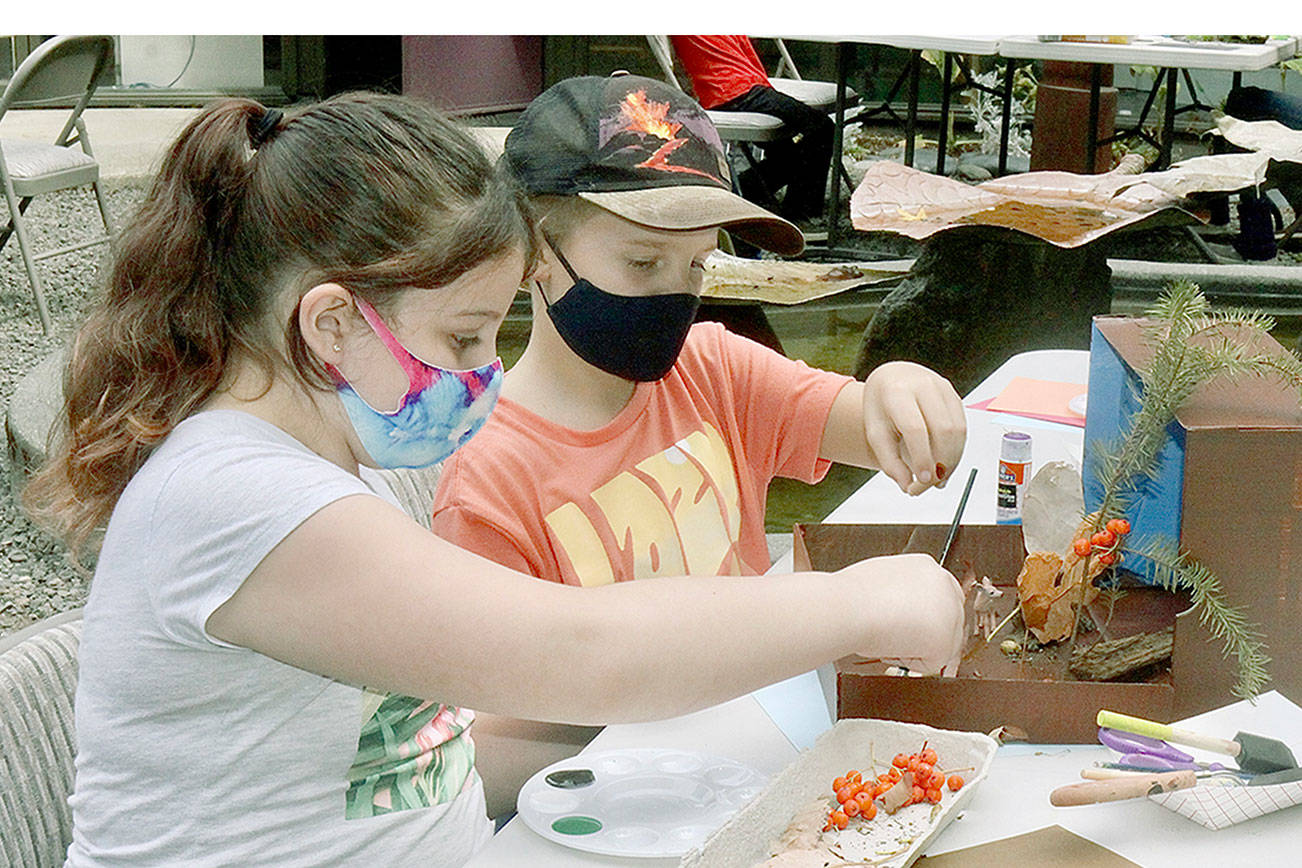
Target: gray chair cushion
815 94
746 126
36 167
38 679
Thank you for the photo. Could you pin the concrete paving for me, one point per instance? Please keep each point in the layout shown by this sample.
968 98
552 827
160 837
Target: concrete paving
127 142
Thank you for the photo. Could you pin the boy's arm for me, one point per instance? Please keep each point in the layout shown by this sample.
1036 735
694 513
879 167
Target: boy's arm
905 420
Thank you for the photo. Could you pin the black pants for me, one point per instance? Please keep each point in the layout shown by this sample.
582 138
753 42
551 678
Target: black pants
798 162
1256 104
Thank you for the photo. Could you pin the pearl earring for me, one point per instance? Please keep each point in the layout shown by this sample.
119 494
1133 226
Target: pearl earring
337 350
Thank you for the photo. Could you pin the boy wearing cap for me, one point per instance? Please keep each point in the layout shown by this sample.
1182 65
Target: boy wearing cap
628 442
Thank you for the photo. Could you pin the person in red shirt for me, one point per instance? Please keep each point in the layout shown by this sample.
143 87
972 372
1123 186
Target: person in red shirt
727 75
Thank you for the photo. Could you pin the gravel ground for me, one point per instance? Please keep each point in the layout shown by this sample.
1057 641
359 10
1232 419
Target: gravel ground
36 580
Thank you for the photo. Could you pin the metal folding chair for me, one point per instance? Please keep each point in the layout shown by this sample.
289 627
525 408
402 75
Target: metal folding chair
60 70
815 94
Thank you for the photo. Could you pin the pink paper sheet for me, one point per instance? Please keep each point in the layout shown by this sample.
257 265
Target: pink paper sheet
1037 399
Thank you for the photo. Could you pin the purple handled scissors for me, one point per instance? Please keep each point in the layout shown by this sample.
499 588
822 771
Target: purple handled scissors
1151 754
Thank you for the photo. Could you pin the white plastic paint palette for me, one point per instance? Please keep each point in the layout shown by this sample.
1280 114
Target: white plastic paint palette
636 802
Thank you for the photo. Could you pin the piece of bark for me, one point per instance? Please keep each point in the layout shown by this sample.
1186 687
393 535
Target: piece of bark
805 828
1107 661
894 798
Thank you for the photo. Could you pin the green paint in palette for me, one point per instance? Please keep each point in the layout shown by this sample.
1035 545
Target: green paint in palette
577 825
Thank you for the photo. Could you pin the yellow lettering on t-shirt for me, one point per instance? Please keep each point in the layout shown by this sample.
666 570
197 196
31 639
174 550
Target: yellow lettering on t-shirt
675 512
643 526
700 490
577 537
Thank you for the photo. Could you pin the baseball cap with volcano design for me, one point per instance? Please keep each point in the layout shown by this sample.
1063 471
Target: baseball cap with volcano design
640 149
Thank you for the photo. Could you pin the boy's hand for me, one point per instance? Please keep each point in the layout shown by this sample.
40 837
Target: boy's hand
914 424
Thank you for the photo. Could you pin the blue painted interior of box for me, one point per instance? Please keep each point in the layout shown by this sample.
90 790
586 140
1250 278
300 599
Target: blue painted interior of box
1114 396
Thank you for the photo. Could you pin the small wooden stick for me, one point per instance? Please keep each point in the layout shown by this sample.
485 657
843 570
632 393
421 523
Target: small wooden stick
1093 792
1004 623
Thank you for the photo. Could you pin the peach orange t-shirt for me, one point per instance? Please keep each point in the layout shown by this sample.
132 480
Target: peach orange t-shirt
675 484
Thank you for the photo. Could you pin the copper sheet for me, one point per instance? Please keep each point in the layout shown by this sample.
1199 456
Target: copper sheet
778 282
1268 137
1062 208
1218 172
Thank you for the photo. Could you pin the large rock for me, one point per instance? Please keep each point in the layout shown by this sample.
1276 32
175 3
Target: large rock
976 296
35 406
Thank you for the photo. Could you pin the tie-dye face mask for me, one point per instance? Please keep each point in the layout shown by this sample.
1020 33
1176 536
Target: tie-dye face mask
442 408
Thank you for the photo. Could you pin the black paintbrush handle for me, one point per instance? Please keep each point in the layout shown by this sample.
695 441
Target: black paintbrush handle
958 515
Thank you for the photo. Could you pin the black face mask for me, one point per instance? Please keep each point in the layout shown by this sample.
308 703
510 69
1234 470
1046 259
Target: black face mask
633 337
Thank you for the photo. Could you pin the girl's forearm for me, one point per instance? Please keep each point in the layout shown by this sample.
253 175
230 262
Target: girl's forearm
660 647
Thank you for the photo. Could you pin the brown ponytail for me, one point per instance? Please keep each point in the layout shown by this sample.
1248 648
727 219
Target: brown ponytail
377 193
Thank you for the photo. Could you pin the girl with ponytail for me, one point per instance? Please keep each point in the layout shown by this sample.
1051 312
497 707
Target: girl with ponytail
277 663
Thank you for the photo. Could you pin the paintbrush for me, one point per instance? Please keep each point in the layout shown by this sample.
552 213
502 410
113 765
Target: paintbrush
949 540
958 514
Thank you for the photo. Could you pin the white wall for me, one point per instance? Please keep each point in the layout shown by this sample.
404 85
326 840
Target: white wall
1212 84
218 62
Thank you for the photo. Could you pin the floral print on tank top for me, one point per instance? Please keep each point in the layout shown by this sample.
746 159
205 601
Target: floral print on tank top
411 753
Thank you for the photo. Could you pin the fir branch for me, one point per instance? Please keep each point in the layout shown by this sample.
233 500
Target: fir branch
1179 366
1237 317
1288 368
1175 570
1180 302
1112 595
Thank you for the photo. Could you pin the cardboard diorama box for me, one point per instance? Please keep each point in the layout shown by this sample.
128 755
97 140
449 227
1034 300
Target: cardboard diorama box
1228 489
1030 691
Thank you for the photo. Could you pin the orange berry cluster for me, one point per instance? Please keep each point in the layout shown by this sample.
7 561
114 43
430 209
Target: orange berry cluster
1106 544
857 798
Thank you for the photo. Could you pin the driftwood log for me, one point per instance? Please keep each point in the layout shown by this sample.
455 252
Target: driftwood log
1108 661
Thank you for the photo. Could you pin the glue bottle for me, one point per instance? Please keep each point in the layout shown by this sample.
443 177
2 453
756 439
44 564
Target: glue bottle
1014 473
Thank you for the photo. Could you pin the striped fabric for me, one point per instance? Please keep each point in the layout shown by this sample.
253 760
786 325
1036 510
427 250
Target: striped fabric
38 677
414 489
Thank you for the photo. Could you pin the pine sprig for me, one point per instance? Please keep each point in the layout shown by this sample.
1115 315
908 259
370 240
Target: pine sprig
1176 570
1191 345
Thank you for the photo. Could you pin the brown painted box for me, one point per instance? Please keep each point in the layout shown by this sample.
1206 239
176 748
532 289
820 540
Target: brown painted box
992 689
1232 492
1228 485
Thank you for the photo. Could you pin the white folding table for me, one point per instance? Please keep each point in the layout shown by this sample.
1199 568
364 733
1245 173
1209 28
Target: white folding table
1169 54
765 729
952 46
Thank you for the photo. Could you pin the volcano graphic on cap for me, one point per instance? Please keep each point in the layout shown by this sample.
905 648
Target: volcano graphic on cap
641 133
